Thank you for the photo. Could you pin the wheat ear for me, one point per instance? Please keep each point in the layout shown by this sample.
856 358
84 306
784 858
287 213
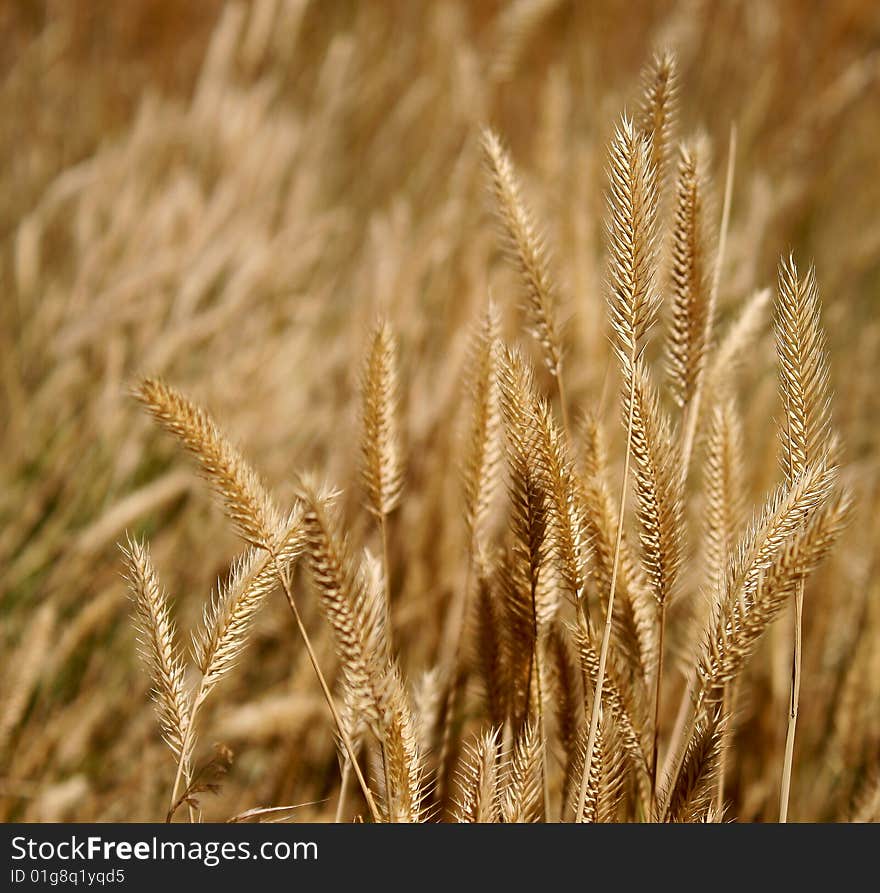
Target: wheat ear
692 415
724 514
521 800
660 515
687 340
659 110
690 799
226 623
247 503
373 681
480 477
529 518
633 306
158 646
621 703
795 533
526 246
806 434
607 775
478 781
159 651
381 458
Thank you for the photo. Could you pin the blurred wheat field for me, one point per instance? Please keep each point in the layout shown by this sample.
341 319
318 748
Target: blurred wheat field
226 197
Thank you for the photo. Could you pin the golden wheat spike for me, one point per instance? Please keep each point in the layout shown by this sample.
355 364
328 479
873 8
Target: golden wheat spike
805 432
803 370
527 248
158 646
247 502
491 649
340 585
658 487
659 109
607 776
375 687
725 489
483 445
795 531
381 457
528 493
521 797
622 702
565 503
690 280
632 241
478 781
567 696
746 611
229 616
519 630
402 753
690 799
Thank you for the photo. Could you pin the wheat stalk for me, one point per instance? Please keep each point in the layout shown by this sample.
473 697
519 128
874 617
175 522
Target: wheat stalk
248 506
633 306
806 434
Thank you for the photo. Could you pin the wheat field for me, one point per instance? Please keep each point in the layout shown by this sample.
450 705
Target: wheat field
440 411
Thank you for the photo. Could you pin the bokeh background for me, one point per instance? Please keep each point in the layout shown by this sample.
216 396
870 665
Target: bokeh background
226 194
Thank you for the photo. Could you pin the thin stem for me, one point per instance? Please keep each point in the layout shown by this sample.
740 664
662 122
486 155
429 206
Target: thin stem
343 790
183 772
679 728
691 706
728 705
793 704
386 577
609 611
450 658
655 749
563 404
692 413
343 734
536 654
389 808
383 525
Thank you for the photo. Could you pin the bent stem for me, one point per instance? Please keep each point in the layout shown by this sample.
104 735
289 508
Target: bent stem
609 611
343 791
449 660
691 705
536 654
794 701
183 772
655 749
560 387
386 567
728 705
